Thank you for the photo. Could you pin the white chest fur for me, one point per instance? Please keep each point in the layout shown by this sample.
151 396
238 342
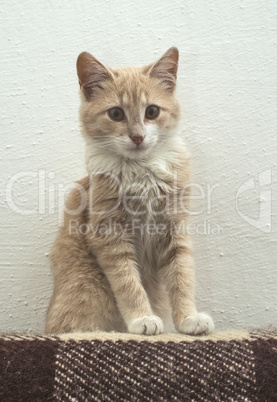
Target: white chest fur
143 181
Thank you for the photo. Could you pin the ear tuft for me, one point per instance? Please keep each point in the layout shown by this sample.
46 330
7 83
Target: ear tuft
91 74
166 68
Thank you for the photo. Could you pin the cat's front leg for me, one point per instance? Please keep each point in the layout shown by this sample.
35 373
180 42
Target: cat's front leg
117 259
178 270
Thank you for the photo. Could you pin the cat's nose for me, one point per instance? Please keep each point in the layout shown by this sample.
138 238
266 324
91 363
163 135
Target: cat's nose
137 139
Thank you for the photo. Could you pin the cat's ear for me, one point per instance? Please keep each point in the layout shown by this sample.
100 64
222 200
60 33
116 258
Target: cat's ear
91 74
165 69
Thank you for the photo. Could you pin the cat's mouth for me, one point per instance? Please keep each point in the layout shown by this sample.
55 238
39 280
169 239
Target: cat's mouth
138 149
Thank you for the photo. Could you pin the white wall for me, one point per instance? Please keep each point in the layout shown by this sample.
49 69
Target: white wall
228 93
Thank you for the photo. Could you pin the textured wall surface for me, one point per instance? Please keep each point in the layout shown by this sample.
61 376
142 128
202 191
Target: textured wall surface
228 92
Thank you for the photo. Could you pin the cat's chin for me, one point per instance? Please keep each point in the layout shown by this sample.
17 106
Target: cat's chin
135 152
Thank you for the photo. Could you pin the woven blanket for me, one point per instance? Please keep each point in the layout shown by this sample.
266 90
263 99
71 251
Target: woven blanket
225 366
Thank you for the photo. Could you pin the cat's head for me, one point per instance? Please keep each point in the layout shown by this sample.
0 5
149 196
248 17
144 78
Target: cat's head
129 110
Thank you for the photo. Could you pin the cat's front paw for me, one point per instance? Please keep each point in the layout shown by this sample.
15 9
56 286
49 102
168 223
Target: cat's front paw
148 325
198 324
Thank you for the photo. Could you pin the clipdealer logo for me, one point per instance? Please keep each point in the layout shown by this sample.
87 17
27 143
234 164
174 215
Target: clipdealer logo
49 198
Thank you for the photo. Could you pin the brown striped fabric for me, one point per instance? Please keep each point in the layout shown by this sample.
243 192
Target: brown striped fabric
235 366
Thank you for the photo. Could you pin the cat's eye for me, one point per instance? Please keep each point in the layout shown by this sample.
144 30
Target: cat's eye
116 114
152 112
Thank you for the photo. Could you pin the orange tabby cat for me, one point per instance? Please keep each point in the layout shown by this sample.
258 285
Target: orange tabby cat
122 259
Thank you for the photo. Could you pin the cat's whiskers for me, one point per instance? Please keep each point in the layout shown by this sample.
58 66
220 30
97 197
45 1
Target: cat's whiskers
103 143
